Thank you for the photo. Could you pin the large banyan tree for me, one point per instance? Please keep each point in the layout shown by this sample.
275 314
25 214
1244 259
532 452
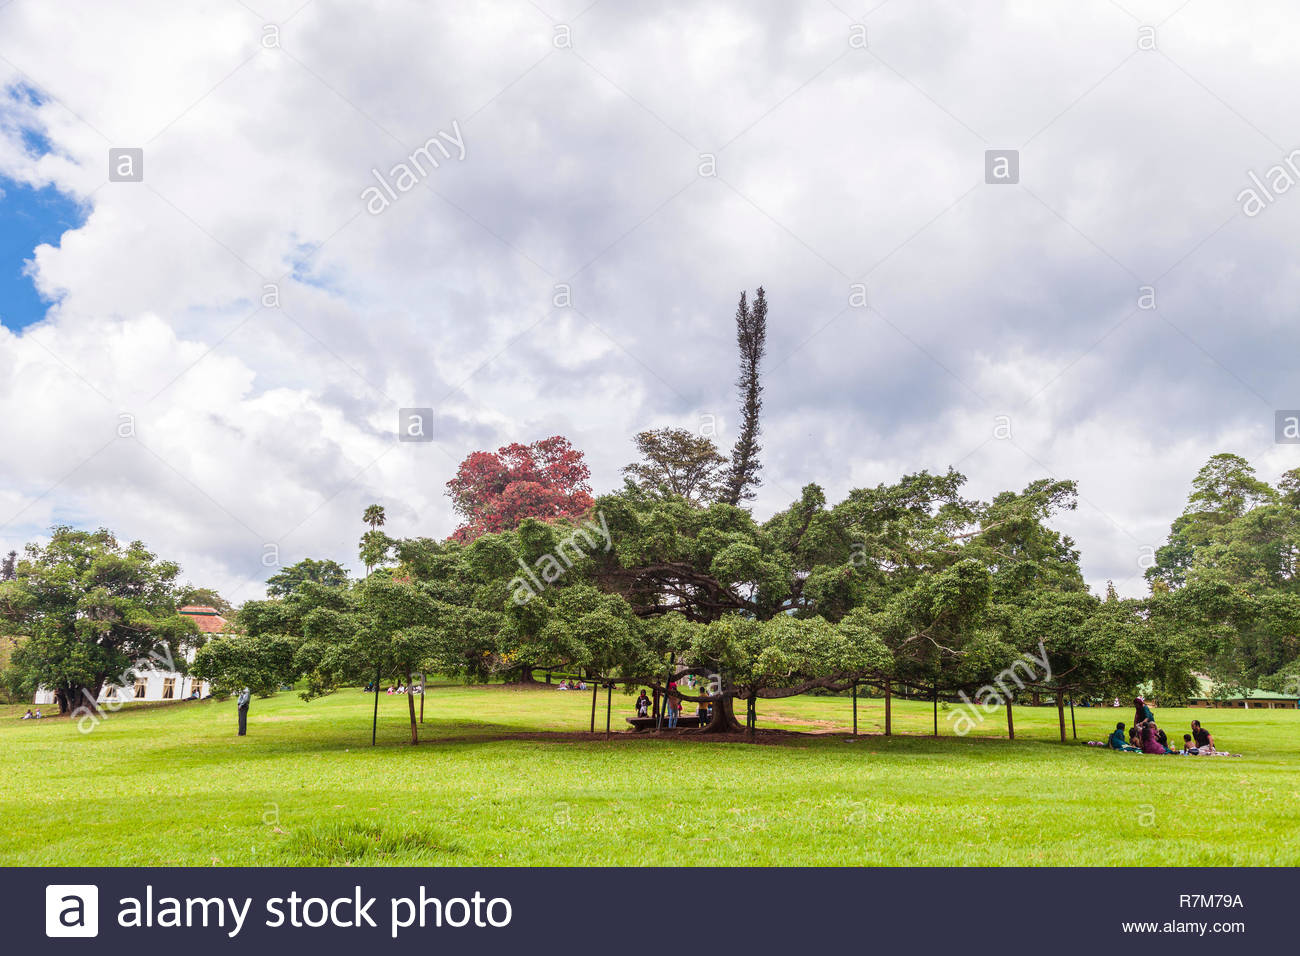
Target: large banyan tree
907 586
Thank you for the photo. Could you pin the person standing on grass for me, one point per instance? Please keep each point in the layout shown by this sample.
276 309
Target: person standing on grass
244 698
1204 742
643 704
673 704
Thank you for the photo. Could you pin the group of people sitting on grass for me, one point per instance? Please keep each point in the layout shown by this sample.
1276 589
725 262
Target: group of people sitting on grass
572 685
1145 737
30 716
673 708
403 689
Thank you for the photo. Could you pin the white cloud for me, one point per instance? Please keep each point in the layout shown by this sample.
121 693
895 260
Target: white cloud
273 426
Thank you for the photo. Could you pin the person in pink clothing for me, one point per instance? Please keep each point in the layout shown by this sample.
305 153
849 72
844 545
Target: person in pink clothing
1150 742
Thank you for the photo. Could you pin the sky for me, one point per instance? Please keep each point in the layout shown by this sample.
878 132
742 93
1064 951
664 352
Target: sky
535 218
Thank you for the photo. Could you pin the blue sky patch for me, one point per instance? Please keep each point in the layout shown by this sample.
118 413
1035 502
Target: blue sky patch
29 217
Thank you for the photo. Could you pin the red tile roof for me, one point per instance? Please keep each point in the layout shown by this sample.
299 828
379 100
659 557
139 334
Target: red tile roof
207 618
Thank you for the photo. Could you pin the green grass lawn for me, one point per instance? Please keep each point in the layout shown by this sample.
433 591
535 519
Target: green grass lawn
172 785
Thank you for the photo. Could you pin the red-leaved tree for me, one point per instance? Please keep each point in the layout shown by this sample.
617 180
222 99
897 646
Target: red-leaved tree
494 491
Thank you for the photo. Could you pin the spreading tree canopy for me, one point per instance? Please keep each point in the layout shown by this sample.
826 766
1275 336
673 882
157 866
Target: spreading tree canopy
92 611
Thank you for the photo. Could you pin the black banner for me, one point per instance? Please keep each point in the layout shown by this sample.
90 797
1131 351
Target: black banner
493 911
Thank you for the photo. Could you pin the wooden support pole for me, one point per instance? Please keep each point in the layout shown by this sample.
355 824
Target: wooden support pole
1060 712
1011 723
424 680
374 723
609 704
659 721
889 713
936 710
855 708
1073 729
594 688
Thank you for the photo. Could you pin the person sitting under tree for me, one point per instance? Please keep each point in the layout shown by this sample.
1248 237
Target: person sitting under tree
1150 739
1204 742
1119 741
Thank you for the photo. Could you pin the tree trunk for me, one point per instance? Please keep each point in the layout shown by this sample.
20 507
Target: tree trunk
1060 712
523 676
723 720
75 700
410 705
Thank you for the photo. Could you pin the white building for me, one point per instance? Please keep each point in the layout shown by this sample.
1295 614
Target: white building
150 683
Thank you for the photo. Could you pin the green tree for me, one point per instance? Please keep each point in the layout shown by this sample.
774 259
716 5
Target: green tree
375 544
262 663
909 570
288 581
751 339
1079 645
393 627
1227 580
92 610
678 462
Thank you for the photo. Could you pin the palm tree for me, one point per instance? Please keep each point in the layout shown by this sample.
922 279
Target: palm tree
373 516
